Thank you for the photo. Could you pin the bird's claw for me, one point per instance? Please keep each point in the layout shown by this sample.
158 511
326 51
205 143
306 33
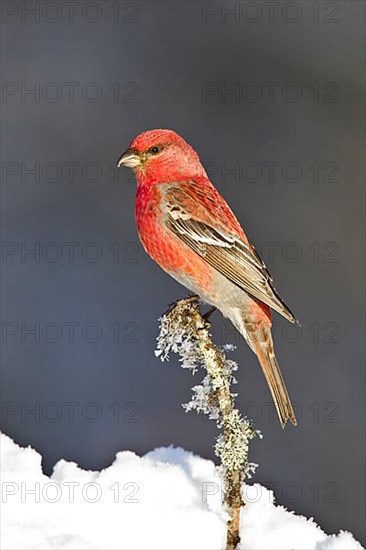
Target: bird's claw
188 300
208 314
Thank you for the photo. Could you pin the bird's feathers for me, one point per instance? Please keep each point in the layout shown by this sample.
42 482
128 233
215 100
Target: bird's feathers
196 216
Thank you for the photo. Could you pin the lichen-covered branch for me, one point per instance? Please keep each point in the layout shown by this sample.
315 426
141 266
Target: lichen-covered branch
185 332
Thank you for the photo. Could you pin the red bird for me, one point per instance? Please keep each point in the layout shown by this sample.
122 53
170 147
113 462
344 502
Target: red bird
188 229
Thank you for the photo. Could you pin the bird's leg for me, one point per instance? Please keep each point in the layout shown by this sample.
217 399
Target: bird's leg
208 314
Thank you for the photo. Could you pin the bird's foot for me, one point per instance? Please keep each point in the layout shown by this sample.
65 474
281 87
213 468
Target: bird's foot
208 314
188 300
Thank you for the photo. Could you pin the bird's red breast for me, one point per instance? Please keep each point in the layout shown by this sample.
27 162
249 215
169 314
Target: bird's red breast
162 246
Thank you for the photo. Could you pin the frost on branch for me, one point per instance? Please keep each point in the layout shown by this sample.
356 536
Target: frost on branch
185 332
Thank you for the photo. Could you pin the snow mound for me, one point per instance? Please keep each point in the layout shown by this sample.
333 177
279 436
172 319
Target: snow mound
168 499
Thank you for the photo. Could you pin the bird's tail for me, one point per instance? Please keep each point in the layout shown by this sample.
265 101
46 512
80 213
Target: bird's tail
258 335
272 373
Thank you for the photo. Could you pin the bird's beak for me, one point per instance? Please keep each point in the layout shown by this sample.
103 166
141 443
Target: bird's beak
130 158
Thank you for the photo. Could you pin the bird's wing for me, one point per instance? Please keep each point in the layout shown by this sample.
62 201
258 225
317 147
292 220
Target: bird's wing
203 221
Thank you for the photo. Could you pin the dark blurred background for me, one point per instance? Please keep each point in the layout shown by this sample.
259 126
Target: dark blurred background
270 95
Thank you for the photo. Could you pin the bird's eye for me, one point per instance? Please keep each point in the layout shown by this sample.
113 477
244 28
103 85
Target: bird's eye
155 150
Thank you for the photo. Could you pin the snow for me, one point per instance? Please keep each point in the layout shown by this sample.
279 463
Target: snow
167 499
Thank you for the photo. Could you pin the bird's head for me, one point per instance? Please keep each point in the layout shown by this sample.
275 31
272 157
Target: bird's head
161 156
